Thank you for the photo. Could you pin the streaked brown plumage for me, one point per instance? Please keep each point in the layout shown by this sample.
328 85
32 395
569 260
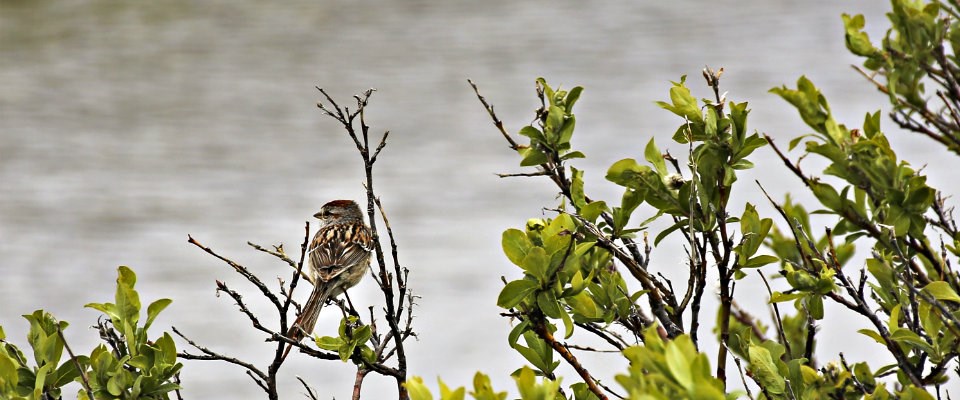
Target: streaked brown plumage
339 255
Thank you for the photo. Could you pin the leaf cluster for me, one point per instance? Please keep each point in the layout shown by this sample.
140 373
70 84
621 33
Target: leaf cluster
132 367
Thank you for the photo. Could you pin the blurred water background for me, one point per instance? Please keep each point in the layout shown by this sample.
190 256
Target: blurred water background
124 126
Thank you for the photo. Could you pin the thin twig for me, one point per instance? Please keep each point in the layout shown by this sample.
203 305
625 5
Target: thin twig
856 382
279 254
526 174
612 338
76 363
811 339
176 379
736 360
588 348
776 312
310 392
242 271
541 330
212 355
496 121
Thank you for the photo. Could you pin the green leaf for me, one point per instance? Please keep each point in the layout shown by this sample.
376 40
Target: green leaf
873 335
684 104
577 284
626 173
738 115
793 142
929 319
362 334
827 195
941 290
857 41
871 124
572 98
679 366
710 127
64 374
554 122
531 157
563 224
515 244
518 330
514 292
8 372
114 385
447 394
329 343
128 301
566 132
591 211
755 231
584 306
547 91
483 390
547 302
668 231
417 390
576 188
154 309
168 349
778 297
653 155
582 392
107 308
751 143
346 350
763 367
915 393
526 383
533 133
567 324
126 276
810 103
533 357
902 335
815 305
573 154
367 354
759 261
536 263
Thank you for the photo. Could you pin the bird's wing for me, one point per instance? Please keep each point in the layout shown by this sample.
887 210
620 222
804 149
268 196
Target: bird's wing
337 247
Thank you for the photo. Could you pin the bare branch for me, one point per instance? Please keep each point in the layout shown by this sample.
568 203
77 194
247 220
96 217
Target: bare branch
541 330
242 271
526 174
76 363
496 121
212 355
776 313
310 392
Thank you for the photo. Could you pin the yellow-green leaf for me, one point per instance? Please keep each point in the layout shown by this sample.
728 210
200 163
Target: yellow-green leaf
941 290
417 390
514 292
762 366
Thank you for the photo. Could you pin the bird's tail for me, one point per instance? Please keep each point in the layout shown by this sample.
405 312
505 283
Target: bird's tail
308 316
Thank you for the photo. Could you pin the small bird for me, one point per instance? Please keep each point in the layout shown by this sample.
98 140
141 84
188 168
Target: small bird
339 256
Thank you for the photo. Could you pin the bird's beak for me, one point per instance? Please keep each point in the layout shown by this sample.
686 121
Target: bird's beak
317 215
